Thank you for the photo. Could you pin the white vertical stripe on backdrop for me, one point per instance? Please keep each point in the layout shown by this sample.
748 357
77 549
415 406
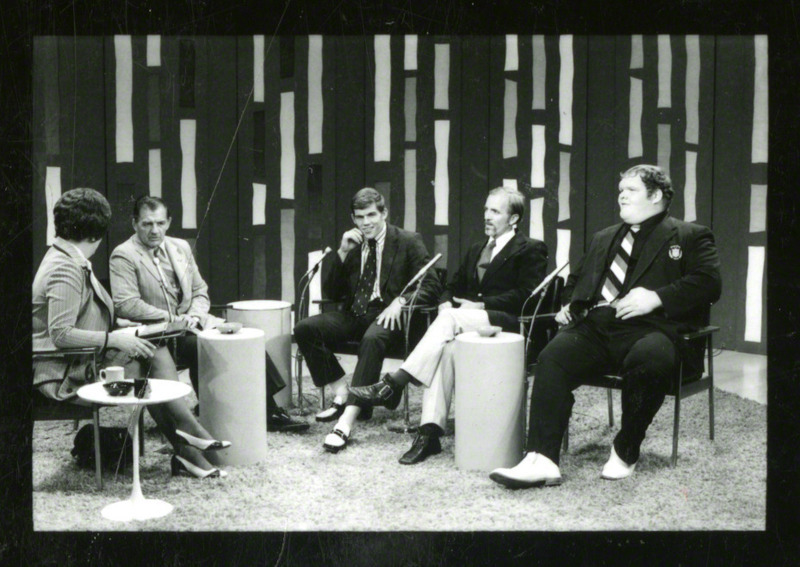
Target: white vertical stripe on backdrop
382 136
188 174
123 55
538 149
536 225
258 68
753 297
154 171
512 53
154 51
52 192
315 102
760 142
635 122
441 187
288 158
692 89
690 188
565 78
664 72
510 120
410 53
259 204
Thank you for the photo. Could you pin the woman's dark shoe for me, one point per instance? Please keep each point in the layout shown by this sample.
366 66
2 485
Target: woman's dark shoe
384 393
202 444
336 441
182 467
334 412
365 414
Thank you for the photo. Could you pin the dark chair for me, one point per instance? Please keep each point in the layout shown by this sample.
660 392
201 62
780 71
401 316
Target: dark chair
693 377
47 409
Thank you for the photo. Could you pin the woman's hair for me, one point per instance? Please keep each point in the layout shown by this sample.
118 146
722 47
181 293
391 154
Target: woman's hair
82 214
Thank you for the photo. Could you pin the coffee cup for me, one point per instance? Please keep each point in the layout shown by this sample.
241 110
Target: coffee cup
112 374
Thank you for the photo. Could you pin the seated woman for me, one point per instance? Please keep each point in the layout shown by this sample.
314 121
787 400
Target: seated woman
71 309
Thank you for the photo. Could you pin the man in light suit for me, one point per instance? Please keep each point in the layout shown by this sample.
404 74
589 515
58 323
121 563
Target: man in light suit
639 284
492 283
154 277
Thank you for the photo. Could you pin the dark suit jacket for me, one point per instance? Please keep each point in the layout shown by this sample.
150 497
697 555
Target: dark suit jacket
679 262
510 277
404 254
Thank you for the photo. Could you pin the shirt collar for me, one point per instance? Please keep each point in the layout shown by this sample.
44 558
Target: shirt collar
647 226
503 239
378 239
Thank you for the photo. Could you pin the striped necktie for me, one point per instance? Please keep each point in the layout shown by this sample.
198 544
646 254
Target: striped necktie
619 267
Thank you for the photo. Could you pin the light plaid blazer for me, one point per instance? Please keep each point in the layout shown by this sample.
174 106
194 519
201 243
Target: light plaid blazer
136 287
69 310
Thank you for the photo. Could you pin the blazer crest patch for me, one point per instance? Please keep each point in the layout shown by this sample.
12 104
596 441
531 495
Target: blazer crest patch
675 252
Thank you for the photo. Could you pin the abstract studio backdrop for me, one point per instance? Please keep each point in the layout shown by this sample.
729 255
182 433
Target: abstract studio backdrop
257 143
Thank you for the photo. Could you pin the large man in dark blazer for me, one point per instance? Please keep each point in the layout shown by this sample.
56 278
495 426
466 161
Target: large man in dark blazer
493 281
639 283
369 271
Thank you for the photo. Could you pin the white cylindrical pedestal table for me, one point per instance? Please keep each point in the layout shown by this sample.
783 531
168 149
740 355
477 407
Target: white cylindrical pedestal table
275 319
490 400
233 394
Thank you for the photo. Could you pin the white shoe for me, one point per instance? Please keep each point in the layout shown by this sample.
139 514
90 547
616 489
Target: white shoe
616 468
533 470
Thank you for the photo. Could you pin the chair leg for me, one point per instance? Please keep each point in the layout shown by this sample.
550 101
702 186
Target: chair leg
98 471
75 424
141 432
298 374
565 441
675 429
610 408
322 398
711 409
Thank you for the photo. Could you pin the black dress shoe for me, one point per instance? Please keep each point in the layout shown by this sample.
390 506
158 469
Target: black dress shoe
280 421
384 393
333 413
365 414
424 445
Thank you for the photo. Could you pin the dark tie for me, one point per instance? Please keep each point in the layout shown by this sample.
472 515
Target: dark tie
366 283
618 269
486 258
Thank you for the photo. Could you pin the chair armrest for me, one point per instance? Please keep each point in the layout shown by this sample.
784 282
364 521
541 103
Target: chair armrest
699 333
526 319
72 351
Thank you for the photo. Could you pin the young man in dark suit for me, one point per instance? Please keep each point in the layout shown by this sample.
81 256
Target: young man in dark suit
491 285
638 284
371 268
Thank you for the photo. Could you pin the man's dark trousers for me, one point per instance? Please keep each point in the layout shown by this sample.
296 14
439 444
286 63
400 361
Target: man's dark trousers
644 356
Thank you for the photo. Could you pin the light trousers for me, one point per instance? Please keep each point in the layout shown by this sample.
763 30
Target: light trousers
432 362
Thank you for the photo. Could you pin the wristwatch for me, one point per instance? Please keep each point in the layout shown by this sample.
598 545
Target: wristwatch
402 300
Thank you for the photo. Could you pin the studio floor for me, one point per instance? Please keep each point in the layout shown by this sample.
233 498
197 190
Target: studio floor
300 487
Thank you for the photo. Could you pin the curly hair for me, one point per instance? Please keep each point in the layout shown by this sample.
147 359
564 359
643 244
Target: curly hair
366 197
81 214
653 178
152 203
514 198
